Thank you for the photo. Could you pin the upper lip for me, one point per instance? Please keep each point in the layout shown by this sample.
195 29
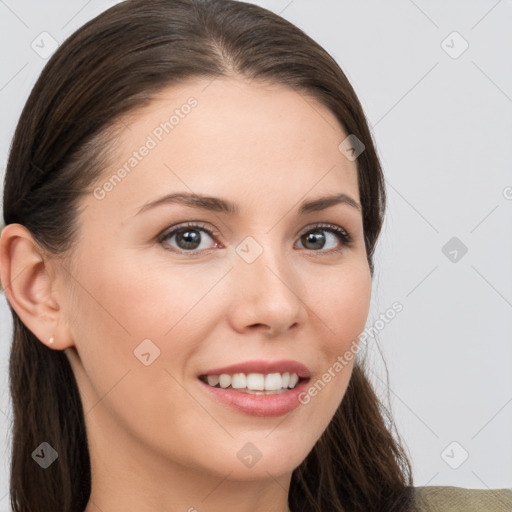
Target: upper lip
263 367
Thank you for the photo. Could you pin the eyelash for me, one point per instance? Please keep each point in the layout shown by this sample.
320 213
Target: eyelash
341 234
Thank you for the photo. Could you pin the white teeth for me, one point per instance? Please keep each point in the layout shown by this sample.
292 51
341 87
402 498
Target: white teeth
255 381
224 380
273 381
239 381
213 380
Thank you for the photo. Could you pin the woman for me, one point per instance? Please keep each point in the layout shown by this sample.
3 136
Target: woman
192 202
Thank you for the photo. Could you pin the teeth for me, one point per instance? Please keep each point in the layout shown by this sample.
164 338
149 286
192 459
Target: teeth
273 381
213 380
224 380
254 381
239 381
293 380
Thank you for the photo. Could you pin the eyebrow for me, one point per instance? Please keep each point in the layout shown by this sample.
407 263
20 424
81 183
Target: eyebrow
216 204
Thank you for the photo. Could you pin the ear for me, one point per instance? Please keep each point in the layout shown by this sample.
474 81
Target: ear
29 285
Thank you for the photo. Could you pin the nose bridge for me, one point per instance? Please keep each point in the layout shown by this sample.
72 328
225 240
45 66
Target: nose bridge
267 289
263 263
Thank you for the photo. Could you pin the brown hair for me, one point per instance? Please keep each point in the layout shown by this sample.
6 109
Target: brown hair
110 66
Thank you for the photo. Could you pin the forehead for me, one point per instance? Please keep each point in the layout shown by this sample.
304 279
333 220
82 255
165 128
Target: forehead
213 136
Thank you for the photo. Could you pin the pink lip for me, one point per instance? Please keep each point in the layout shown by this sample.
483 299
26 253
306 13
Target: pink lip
258 405
263 367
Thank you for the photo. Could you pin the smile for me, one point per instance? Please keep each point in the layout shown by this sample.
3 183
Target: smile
253 383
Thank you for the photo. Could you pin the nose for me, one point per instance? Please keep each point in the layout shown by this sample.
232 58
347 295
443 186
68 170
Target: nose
268 295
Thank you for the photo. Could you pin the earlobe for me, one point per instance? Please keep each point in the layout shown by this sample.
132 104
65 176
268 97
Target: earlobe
27 282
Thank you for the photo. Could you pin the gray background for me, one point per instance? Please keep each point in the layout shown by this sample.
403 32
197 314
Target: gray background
442 122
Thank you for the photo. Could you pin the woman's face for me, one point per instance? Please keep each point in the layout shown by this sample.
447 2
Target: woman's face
150 310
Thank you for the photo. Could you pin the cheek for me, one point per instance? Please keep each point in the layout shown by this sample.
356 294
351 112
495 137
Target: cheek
341 308
122 302
342 303
116 305
122 312
127 296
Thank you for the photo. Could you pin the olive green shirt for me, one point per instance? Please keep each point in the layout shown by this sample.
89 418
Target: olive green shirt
458 499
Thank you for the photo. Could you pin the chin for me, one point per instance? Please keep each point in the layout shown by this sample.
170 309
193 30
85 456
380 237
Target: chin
261 461
262 471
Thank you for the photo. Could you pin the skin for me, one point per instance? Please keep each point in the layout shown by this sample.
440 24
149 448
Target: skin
157 441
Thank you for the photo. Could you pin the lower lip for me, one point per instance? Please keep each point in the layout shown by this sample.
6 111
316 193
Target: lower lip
258 405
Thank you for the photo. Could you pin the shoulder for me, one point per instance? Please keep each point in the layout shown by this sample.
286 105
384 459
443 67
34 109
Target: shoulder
454 499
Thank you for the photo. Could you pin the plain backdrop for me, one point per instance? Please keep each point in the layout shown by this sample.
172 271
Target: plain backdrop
435 81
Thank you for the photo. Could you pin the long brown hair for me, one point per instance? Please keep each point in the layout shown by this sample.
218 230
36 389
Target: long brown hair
112 65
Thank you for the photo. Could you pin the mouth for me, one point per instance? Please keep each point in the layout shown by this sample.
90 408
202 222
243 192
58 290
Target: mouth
257 388
254 383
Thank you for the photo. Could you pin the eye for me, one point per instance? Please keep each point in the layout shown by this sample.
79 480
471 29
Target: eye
315 239
188 237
